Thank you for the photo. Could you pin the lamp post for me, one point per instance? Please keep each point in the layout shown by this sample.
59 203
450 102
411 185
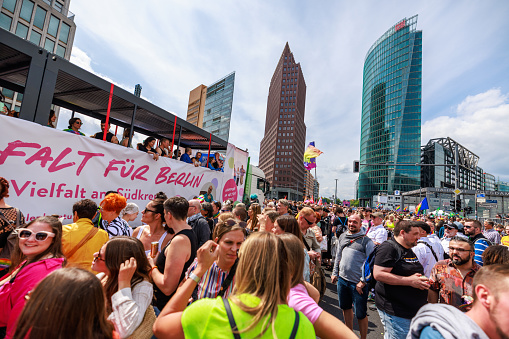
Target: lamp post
336 194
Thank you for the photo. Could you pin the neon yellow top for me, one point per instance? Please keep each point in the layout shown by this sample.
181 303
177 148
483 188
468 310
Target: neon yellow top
207 318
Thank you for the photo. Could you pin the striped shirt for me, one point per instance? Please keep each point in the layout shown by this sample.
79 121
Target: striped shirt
480 244
210 283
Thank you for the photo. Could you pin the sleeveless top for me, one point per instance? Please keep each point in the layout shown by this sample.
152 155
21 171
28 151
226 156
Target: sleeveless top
160 299
147 252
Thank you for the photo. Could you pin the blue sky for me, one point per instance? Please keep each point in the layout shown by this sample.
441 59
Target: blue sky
170 47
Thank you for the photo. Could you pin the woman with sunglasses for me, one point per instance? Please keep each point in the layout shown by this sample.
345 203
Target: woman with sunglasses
124 273
70 293
155 229
257 306
37 253
74 126
219 279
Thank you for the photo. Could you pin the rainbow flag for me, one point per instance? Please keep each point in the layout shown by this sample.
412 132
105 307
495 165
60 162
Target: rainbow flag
5 263
309 156
398 208
423 205
405 209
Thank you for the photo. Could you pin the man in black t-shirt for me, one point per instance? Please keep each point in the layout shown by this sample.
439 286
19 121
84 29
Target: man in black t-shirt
401 287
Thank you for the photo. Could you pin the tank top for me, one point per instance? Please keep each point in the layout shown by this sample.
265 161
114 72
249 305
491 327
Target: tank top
147 252
160 299
99 136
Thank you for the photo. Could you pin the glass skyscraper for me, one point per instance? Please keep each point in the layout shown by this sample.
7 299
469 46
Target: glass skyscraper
391 112
218 107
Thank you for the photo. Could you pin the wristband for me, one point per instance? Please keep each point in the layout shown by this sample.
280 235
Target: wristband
194 277
153 267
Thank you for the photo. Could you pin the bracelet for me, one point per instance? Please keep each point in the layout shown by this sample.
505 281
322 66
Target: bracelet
153 267
194 277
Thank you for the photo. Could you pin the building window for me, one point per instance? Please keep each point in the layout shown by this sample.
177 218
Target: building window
21 30
35 38
49 45
64 32
40 17
53 26
26 10
60 51
9 5
5 21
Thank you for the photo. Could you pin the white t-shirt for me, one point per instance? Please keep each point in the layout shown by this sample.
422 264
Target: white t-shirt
377 234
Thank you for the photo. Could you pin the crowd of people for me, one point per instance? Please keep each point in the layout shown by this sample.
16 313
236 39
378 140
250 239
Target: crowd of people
202 269
152 146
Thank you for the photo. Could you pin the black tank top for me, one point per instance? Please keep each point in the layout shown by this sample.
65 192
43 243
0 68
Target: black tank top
160 299
100 135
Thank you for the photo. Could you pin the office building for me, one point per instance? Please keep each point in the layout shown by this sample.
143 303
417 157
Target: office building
210 107
283 143
46 23
196 105
441 151
391 112
308 184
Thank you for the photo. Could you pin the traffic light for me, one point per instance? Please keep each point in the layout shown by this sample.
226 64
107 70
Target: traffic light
356 166
458 205
453 205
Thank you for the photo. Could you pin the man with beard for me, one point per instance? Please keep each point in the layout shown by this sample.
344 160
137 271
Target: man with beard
451 280
473 231
353 249
486 320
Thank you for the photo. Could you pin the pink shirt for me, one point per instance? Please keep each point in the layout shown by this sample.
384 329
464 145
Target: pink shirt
12 295
299 300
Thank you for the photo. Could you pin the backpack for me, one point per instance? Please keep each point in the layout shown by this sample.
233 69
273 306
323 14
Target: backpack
369 264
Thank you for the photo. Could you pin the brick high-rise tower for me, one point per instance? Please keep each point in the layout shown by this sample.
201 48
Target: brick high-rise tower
283 143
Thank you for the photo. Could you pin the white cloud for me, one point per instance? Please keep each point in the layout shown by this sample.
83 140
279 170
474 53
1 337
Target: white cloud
480 124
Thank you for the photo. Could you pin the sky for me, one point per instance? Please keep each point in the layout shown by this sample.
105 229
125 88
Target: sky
171 47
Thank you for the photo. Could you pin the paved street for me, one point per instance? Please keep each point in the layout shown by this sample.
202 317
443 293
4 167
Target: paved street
330 304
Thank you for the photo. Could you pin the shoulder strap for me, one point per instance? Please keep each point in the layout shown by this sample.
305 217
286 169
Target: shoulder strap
86 238
231 320
395 245
305 243
2 216
18 217
295 326
228 280
351 241
429 246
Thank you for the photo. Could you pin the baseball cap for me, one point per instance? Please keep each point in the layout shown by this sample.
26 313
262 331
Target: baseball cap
377 214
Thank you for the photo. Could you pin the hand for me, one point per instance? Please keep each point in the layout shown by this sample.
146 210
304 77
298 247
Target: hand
151 261
126 272
360 285
313 255
419 281
333 279
206 255
262 219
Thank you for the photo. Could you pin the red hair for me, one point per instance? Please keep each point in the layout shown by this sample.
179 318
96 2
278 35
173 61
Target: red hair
114 202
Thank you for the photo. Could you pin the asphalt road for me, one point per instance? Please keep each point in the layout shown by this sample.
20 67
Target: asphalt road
330 304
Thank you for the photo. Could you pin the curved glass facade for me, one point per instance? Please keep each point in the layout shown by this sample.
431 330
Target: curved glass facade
391 112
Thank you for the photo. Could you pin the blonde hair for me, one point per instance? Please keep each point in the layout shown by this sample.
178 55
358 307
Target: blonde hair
267 277
307 211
